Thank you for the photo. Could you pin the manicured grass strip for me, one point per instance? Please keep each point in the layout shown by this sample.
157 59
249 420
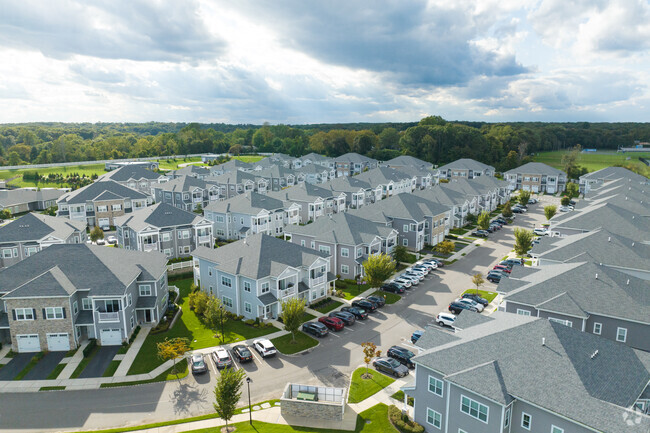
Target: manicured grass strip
190 326
31 364
399 396
181 367
11 354
390 298
286 345
84 362
55 373
350 288
330 306
361 389
306 317
489 296
52 388
249 158
111 369
457 231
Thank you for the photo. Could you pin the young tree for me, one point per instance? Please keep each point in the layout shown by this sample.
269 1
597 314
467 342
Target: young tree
369 351
572 189
378 268
198 302
5 214
523 241
400 254
507 210
173 349
524 196
96 233
549 211
565 201
227 393
213 312
445 247
293 311
471 219
484 220
478 281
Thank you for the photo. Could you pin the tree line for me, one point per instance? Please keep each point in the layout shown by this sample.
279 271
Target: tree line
503 145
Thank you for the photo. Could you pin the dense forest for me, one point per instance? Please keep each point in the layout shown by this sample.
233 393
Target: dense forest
503 145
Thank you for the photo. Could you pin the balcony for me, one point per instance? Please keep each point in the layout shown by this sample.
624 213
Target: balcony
78 215
317 280
108 317
151 247
197 199
204 239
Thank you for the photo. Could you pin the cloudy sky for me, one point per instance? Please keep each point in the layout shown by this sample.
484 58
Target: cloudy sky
301 61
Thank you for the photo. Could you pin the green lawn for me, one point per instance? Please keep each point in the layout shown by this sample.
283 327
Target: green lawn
458 232
399 396
330 306
249 158
111 369
361 389
181 372
391 298
57 370
595 161
489 296
88 170
172 164
191 327
286 345
51 388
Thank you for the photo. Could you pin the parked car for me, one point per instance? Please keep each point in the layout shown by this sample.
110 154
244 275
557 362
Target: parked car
566 208
417 273
517 210
540 231
390 366
404 282
198 364
242 353
264 347
493 277
428 263
502 268
315 328
414 279
572 202
532 201
101 242
423 268
403 356
481 233
471 303
503 221
112 240
496 225
393 288
105 228
476 298
348 318
379 300
415 336
221 358
445 319
490 229
359 313
457 307
438 262
365 305
498 272
514 262
332 323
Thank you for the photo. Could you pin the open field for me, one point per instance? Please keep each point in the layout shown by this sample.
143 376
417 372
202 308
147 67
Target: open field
595 161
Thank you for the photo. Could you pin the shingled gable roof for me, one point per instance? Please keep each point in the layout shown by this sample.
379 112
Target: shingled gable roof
130 172
191 170
613 173
232 178
105 271
52 283
303 192
383 175
13 197
247 203
505 359
354 158
106 189
408 161
445 196
404 206
633 201
259 256
343 228
184 184
348 185
36 226
232 165
466 164
536 168
158 215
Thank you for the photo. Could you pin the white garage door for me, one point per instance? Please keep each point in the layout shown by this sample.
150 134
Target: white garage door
111 337
28 343
58 342
102 222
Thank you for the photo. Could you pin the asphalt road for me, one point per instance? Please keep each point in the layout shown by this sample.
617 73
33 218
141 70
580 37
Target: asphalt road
331 363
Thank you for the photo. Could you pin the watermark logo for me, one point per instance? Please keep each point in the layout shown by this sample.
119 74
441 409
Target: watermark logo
633 417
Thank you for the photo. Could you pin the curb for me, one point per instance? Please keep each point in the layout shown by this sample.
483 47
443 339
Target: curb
302 352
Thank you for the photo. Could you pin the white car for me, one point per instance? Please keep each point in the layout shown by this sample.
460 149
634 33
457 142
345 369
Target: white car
403 281
264 347
566 208
412 278
540 231
430 263
416 271
101 242
112 240
445 319
419 275
479 307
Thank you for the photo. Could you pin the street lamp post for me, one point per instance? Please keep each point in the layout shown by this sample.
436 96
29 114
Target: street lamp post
250 410
223 337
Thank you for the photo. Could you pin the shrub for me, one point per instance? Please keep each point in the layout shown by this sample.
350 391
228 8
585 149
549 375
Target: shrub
250 322
402 421
92 343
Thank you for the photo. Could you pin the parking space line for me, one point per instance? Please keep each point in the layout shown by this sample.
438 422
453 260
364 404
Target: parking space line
337 336
253 353
216 370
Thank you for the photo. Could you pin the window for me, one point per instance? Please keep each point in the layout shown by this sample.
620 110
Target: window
87 304
247 307
30 250
405 242
474 408
126 234
555 429
75 307
621 334
523 312
166 236
324 249
24 314
562 322
345 269
54 313
506 420
184 250
227 301
313 245
130 300
116 207
168 252
219 218
247 286
302 243
7 253
434 418
145 290
132 322
265 288
359 252
345 252
435 386
102 208
225 281
598 327
406 228
526 421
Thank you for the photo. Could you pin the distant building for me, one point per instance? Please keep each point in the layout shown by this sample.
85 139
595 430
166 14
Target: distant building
150 165
465 168
537 178
29 199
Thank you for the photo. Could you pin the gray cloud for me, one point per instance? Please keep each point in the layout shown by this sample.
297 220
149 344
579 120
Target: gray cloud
166 30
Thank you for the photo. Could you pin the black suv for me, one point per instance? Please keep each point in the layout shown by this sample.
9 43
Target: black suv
458 307
365 305
393 288
359 313
378 300
315 328
475 297
494 277
402 355
348 318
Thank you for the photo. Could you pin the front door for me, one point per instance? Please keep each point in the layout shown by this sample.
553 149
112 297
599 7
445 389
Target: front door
147 316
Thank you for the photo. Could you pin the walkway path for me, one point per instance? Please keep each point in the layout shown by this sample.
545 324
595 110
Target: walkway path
73 363
129 357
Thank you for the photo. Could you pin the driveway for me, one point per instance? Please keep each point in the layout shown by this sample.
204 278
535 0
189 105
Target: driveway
100 361
45 366
15 366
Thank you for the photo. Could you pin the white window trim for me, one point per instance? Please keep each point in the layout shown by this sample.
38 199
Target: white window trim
90 304
523 312
345 269
434 413
556 429
51 313
226 300
506 418
75 307
248 307
437 381
600 328
225 279
530 420
24 311
247 286
618 331
141 292
345 252
487 412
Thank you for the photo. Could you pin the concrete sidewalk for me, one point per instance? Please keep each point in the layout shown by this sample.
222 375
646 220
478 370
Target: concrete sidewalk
129 357
73 363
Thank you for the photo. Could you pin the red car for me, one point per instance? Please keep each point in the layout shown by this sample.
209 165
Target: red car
503 268
333 323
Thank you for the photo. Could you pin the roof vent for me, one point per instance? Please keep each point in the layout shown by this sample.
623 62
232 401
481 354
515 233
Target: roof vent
543 341
632 243
593 355
245 243
596 275
628 282
609 238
